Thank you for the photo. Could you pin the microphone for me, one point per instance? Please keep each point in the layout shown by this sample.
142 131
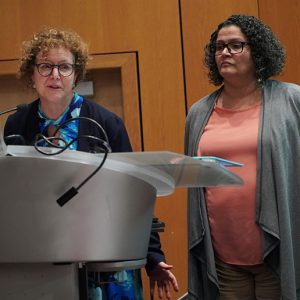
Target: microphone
103 145
18 107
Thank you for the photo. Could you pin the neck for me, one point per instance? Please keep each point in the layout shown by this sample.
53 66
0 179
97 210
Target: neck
234 97
54 110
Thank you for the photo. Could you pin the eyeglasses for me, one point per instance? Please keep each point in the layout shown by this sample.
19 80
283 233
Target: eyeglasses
46 69
232 47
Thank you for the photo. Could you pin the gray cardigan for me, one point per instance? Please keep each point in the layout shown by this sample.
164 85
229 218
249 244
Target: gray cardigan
277 195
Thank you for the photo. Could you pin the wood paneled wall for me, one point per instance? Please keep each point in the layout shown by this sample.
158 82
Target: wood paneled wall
284 19
157 31
199 20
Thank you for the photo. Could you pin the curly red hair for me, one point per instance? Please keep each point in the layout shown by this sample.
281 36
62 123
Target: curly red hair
49 39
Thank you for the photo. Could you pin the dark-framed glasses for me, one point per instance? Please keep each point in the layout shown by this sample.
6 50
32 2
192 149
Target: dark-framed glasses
232 47
46 69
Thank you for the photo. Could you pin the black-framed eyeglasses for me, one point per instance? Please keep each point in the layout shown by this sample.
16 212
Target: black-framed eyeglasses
46 69
232 47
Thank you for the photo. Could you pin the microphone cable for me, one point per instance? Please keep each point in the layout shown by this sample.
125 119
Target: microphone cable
50 141
84 119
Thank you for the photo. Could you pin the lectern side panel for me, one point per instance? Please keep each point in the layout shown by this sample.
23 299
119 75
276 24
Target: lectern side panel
108 220
38 281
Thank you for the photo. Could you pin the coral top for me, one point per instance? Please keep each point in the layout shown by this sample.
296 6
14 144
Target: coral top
233 135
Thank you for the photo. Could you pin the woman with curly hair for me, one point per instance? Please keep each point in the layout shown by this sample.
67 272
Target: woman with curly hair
53 62
243 240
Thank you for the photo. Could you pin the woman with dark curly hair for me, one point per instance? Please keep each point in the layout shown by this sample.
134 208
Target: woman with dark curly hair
53 62
243 240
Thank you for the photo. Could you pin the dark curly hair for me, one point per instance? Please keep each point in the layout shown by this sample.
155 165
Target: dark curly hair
267 52
47 39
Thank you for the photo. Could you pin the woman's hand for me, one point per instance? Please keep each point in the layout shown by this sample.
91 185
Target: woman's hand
163 278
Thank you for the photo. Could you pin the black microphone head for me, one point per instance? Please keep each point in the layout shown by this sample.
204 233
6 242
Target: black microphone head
21 106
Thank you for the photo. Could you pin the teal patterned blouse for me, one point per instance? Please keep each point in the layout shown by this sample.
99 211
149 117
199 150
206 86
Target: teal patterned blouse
70 129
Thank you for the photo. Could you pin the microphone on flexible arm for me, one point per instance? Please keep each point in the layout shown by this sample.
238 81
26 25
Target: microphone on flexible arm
18 107
103 146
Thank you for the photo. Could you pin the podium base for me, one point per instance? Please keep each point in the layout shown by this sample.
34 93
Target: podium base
34 281
38 281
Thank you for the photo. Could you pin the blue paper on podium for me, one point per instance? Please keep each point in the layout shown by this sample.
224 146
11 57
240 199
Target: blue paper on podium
221 161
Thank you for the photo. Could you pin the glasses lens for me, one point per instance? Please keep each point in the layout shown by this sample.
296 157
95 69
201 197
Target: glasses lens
65 69
232 47
235 47
219 48
44 69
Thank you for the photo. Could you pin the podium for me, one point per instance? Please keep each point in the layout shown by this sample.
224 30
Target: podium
107 224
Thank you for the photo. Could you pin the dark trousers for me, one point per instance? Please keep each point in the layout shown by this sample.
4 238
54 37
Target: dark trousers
247 282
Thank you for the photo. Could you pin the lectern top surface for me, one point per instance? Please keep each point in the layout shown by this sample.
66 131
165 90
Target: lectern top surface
163 169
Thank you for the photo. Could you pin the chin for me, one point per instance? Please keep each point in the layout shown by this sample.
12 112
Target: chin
52 100
224 74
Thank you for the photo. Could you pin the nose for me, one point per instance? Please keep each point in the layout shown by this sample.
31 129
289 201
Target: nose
55 72
227 50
